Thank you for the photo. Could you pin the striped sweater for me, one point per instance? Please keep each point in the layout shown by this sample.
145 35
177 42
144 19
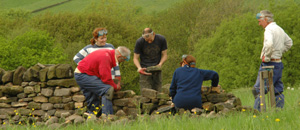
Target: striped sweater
91 48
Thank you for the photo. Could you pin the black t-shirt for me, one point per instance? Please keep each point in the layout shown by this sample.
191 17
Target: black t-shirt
150 53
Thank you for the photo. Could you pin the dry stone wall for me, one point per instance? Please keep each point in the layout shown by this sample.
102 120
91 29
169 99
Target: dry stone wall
45 93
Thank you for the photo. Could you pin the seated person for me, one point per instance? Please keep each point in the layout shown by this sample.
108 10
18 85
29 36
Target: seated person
186 84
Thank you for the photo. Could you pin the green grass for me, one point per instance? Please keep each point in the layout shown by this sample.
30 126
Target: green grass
148 6
287 118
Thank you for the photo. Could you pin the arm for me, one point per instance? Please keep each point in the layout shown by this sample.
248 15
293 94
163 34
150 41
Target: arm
288 43
80 55
164 57
173 86
136 60
268 46
105 74
211 75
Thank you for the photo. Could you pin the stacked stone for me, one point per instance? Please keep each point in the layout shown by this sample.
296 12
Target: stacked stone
39 92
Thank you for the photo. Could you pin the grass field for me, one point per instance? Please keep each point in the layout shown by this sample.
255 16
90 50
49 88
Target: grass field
79 5
287 118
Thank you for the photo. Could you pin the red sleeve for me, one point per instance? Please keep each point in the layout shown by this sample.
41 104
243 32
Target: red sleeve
105 74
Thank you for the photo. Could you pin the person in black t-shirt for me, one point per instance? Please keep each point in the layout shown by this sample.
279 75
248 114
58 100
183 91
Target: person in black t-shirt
151 49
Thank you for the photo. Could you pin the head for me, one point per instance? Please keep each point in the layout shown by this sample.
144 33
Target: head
188 60
148 35
99 37
122 53
264 17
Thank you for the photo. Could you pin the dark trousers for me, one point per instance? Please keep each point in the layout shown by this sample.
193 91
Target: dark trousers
92 88
278 85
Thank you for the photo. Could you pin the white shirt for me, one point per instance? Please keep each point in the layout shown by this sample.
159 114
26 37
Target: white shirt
276 42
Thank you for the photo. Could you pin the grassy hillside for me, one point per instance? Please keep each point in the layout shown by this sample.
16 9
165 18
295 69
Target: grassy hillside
146 6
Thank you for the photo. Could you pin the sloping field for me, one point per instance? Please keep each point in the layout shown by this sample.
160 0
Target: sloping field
79 5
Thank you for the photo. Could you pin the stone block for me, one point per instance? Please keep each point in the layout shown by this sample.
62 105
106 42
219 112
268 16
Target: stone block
29 90
18 75
149 93
55 100
121 102
34 105
62 82
19 104
64 71
7 77
47 106
129 94
216 98
166 89
41 99
48 92
78 98
62 92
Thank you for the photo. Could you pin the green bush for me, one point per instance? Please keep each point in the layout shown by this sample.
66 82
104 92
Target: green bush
30 48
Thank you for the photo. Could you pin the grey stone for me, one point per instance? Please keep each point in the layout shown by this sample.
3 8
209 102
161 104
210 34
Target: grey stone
149 93
34 105
120 113
59 112
133 112
78 120
4 105
2 71
23 84
64 71
38 112
119 94
69 106
121 102
55 100
47 92
43 74
75 89
215 98
8 76
5 100
62 82
47 106
40 99
31 95
19 104
58 106
163 96
32 83
51 112
21 95
11 89
4 117
129 94
72 117
78 98
37 88
8 111
66 99
29 89
51 120
62 92
24 111
18 75
51 72
32 74
27 99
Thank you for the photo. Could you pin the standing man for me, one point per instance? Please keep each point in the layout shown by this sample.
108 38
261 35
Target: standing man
151 49
276 42
93 75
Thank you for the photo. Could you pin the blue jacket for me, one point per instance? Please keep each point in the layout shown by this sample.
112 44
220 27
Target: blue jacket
185 88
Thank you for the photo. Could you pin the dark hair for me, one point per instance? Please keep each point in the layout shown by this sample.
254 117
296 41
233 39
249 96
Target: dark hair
95 34
147 30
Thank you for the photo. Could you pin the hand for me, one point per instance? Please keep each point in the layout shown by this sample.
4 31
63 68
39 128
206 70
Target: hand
142 71
159 65
217 89
263 59
172 105
118 86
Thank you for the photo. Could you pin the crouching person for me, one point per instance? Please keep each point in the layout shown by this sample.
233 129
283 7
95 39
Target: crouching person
93 75
186 84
